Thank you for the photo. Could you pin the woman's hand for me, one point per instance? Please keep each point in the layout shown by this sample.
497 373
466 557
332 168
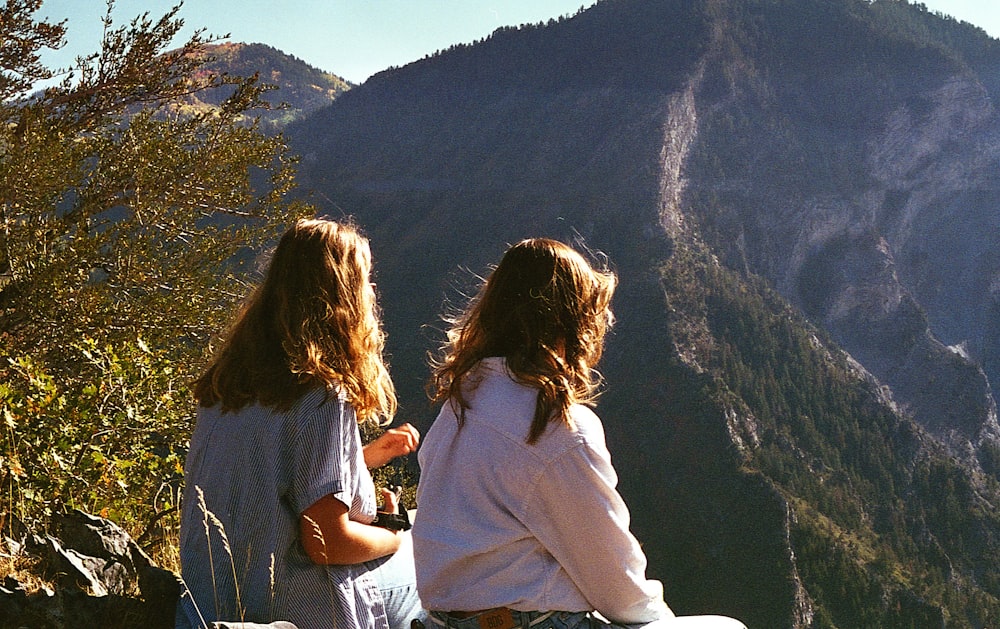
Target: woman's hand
390 500
390 444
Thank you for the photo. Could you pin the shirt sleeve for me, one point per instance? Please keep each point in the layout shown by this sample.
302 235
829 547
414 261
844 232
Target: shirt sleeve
318 459
575 511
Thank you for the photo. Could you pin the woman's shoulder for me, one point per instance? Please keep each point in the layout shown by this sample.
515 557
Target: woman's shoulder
584 431
320 396
587 426
321 404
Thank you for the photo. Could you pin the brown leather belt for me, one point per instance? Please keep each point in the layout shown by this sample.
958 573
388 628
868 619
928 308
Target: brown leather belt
464 615
496 618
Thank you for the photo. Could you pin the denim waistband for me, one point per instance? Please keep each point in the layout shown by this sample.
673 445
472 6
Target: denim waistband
501 618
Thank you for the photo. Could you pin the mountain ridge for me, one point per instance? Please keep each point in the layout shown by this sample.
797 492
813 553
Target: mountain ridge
854 301
764 177
297 87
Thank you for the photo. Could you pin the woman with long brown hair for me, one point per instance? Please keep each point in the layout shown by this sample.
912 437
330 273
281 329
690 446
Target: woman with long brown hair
520 523
279 515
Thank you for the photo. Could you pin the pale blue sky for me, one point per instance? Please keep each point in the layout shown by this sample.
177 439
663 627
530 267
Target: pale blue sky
357 38
351 38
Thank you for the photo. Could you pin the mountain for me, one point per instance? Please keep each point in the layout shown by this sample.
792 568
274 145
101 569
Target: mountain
800 199
299 88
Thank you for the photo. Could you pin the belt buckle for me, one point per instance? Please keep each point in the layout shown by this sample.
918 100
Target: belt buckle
500 618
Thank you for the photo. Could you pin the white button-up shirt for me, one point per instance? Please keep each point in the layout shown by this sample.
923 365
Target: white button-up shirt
501 523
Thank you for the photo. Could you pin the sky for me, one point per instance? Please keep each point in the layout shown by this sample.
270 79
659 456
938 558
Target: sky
355 39
350 38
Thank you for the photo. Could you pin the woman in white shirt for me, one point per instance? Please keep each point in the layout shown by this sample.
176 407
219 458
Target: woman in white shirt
519 520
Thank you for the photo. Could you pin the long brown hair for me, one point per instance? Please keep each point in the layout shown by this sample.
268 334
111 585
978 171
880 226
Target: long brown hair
313 322
546 310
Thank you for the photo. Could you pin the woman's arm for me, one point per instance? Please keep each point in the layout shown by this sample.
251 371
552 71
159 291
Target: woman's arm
330 537
576 512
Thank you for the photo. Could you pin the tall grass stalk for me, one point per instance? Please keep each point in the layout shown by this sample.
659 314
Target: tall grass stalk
317 534
197 610
209 517
270 583
208 540
232 562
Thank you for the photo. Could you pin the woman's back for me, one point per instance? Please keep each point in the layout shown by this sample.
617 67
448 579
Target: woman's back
502 523
245 469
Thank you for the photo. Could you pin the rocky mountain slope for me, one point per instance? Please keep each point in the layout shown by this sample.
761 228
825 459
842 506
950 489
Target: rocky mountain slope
866 193
299 88
799 198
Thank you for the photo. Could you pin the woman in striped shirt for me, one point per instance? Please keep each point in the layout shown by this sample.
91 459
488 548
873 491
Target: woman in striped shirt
279 504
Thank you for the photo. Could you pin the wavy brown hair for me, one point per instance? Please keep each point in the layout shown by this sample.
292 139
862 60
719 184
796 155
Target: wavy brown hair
313 322
544 309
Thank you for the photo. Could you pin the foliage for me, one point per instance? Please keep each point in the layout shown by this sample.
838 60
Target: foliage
20 63
107 442
126 230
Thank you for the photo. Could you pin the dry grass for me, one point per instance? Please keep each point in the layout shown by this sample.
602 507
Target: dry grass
161 541
166 550
26 569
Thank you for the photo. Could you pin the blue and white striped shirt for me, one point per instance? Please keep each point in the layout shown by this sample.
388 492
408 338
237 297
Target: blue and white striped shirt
249 475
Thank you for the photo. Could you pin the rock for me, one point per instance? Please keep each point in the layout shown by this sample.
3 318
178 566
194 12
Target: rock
13 599
160 590
95 537
98 576
103 579
100 573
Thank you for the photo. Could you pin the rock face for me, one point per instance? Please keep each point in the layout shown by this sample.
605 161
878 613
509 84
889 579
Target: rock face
936 171
888 238
102 578
743 164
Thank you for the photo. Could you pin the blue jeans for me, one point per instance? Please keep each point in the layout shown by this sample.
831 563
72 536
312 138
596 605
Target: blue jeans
585 620
397 580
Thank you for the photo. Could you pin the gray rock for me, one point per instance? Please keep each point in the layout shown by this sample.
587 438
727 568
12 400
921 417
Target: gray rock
100 573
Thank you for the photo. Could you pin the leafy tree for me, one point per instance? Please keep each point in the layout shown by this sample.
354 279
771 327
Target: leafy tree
125 230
